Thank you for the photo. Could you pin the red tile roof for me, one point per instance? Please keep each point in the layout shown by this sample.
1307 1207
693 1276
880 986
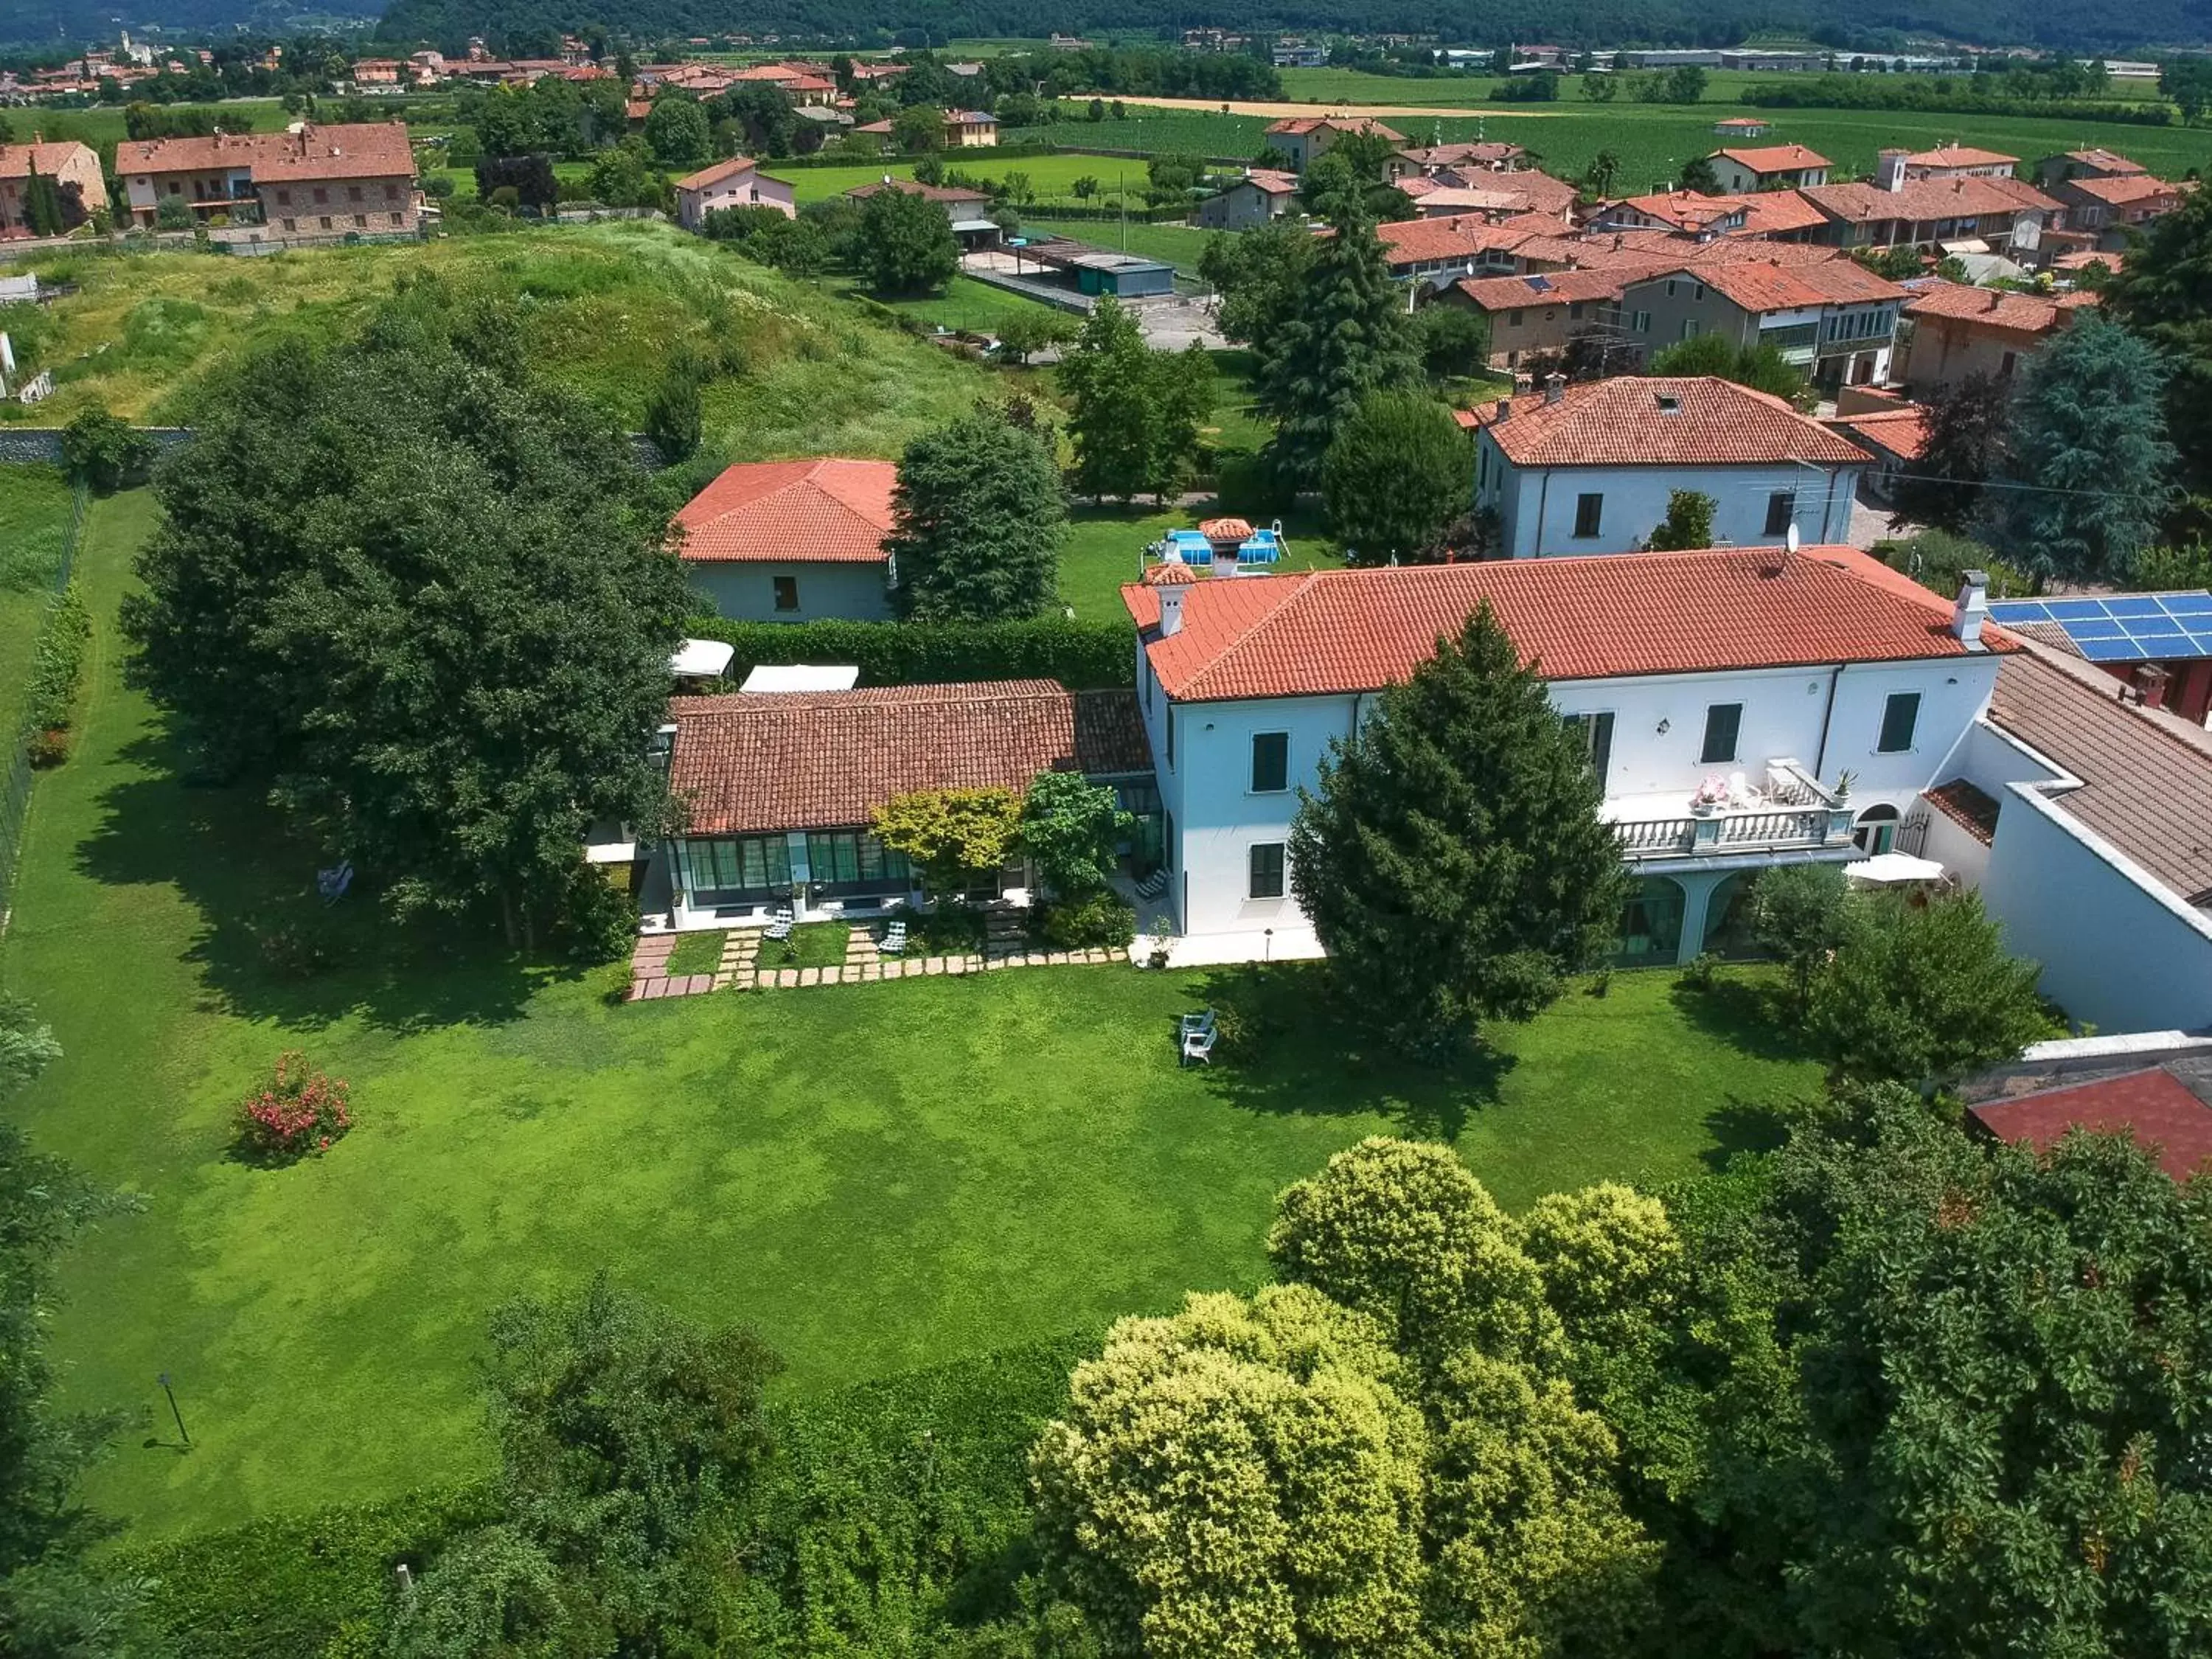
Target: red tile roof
1991 308
1777 158
1299 124
1329 632
2126 188
18 161
915 187
761 763
1543 288
1764 285
368 150
818 511
1899 432
1959 156
2154 1106
708 177
1634 420
2105 160
1927 199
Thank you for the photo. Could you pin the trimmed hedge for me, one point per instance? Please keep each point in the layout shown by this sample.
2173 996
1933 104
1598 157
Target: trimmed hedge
886 1510
56 664
287 1587
1081 655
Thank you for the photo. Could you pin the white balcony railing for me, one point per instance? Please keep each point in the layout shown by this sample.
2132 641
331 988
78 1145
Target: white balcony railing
1792 810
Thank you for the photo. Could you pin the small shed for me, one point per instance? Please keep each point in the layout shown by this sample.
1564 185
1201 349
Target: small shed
1125 275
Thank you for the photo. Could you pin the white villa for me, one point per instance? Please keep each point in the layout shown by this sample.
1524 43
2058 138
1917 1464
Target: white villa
1588 468
1759 679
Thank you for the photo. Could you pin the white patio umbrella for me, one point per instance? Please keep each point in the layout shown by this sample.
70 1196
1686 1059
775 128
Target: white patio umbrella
1885 869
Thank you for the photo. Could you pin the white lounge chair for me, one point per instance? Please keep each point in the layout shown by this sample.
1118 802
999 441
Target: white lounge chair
1199 1046
894 944
779 924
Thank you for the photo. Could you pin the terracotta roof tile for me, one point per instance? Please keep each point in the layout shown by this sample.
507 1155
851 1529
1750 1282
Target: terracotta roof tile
2161 1111
1634 420
2146 786
1967 806
1764 285
2127 189
1899 432
369 149
707 177
1959 156
1927 199
1299 124
2105 162
1543 288
1617 614
818 511
1777 158
943 193
761 763
1991 308
17 161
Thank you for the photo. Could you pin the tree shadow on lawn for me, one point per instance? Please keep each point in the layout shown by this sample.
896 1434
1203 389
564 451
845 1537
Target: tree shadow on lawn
267 945
1752 1017
1740 1127
1288 1049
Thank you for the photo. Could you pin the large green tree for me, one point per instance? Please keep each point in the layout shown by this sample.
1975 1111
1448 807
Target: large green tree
1137 411
1346 334
1923 994
2163 292
1966 423
676 130
906 243
1397 473
1070 827
977 522
626 1438
1761 367
2089 472
1260 274
1452 859
425 599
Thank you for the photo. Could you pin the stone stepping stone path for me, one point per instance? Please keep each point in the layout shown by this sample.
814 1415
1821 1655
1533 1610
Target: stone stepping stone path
740 969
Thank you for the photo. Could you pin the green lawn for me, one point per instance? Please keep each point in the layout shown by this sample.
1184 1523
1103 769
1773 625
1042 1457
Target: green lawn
696 953
1180 245
878 1176
1103 545
34 520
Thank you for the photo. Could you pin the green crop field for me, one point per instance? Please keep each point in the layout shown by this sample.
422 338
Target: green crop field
103 129
1151 132
1051 177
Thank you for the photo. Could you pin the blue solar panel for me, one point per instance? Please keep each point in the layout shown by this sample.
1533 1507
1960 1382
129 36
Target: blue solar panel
2123 626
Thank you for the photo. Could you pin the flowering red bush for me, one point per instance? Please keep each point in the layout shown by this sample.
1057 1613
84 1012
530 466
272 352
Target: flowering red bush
297 1115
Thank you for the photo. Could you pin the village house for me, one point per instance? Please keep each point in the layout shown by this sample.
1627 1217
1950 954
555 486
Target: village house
71 166
308 180
2106 209
1304 139
970 129
803 83
1779 167
792 541
782 787
1777 216
1722 696
1472 157
2085 164
1451 192
735 183
1970 214
1542 314
1829 316
967 210
1737 128
1952 331
1956 161
1894 436
2159 646
1590 468
1260 195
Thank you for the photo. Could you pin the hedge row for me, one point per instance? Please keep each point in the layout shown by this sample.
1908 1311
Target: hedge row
1943 96
886 1509
1082 655
56 664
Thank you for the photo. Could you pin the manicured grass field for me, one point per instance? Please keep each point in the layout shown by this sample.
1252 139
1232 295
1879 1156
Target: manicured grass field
601 308
34 520
876 1175
1180 245
1103 544
696 953
1049 176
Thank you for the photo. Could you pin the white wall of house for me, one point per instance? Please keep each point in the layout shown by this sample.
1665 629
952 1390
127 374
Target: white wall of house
1828 719
1538 507
745 590
744 190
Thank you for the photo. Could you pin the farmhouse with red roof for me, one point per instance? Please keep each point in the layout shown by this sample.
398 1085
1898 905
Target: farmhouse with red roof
792 541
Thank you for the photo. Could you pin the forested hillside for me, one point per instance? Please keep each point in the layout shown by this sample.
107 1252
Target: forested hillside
2132 24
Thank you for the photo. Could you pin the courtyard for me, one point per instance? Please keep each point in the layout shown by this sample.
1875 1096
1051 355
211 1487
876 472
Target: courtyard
878 1176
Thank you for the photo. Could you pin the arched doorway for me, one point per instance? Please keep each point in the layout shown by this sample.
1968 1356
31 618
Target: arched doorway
1877 829
1651 923
1727 917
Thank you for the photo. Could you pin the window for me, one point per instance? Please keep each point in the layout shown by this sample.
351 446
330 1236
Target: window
284 197
1690 328
2005 366
360 221
1723 721
391 192
758 865
322 195
326 221
1781 508
1575 312
1877 830
1700 293
1267 870
786 592
1589 510
352 192
1596 731
854 858
1898 716
1671 288
1271 762
1171 737
1642 322
1513 319
291 224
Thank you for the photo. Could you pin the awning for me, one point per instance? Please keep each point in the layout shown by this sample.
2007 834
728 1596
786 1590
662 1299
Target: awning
802 677
971 227
1970 245
1886 868
701 660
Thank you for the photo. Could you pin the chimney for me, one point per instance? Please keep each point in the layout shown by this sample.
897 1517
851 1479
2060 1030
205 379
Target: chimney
1171 610
1504 411
1973 608
1555 387
1889 170
1224 560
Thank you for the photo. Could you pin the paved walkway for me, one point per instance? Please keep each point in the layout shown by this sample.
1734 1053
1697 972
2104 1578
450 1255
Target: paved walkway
740 969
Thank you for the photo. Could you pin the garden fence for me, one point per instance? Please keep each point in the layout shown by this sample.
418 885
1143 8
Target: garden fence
15 789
